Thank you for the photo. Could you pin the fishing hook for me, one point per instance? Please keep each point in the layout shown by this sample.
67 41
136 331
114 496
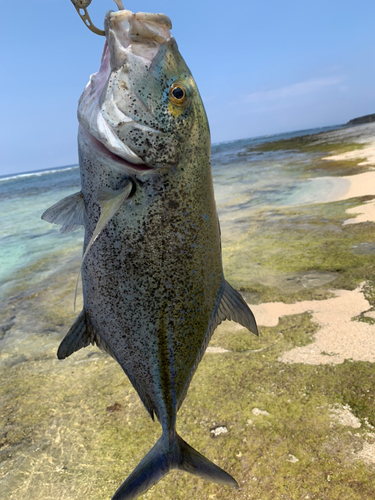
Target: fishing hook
81 8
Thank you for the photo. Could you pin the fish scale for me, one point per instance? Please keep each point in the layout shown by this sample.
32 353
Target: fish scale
154 268
153 283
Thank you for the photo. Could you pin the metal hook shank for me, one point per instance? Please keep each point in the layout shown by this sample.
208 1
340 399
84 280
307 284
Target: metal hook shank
81 5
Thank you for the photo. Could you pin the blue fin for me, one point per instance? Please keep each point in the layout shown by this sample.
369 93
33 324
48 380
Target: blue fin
80 335
233 307
230 305
161 459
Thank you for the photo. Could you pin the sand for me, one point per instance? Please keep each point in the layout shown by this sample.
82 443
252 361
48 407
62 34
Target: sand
359 185
340 337
366 154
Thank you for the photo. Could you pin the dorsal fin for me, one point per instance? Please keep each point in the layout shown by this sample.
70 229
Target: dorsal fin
233 307
230 305
68 212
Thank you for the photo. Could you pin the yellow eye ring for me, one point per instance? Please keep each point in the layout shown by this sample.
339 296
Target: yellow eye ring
178 94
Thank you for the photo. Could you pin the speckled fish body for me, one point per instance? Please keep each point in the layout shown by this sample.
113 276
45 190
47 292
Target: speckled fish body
153 282
152 278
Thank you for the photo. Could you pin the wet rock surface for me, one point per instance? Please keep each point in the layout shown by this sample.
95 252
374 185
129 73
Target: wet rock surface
75 429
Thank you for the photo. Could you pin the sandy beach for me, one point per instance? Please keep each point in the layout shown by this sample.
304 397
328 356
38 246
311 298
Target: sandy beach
290 414
340 336
361 184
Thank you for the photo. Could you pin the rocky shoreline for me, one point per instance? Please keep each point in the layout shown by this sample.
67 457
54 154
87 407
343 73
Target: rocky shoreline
362 119
290 414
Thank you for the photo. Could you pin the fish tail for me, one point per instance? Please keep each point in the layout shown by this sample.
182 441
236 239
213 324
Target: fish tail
164 457
195 463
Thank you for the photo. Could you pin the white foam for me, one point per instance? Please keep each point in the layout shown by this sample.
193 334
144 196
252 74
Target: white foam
38 173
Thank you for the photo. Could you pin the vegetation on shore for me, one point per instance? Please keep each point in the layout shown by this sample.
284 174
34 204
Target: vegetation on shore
76 428
310 153
362 119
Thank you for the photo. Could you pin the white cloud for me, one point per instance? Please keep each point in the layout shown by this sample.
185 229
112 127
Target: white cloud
293 90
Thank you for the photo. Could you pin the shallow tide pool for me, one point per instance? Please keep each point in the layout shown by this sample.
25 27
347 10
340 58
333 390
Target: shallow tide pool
76 429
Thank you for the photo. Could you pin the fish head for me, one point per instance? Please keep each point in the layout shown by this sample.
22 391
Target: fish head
143 104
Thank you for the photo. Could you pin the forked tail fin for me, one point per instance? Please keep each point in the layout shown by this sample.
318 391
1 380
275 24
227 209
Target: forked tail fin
161 459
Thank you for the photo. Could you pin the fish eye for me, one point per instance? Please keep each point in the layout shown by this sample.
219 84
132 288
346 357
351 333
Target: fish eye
178 94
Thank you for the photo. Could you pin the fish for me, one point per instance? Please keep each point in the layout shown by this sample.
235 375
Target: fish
152 275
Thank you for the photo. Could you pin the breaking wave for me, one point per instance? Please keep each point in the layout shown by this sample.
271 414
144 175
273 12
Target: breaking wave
38 173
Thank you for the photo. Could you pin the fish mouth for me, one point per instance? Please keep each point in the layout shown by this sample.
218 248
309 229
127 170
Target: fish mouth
140 34
92 119
127 35
105 154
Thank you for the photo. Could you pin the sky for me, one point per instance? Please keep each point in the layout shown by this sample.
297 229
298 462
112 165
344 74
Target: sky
262 67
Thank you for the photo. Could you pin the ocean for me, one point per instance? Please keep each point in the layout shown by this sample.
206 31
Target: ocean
38 270
245 181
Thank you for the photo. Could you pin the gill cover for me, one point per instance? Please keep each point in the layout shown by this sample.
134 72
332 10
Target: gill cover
141 103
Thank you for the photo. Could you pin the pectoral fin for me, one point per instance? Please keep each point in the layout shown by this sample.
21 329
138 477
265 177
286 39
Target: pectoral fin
110 202
68 212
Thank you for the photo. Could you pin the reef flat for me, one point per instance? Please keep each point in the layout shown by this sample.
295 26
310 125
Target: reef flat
285 426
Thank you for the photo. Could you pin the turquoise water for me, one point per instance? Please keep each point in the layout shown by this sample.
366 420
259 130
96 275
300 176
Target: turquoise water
43 451
244 180
24 237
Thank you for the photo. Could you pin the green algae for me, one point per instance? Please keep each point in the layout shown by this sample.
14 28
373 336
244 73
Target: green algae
81 428
321 143
76 428
285 245
293 330
310 154
368 289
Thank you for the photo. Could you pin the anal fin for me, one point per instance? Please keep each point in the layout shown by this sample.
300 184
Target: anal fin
80 335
